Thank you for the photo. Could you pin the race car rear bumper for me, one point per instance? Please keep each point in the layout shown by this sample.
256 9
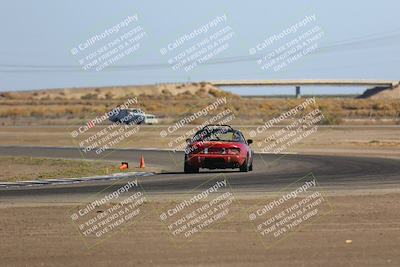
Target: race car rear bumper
215 161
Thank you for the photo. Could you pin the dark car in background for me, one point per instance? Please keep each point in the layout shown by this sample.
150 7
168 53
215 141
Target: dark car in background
128 116
133 116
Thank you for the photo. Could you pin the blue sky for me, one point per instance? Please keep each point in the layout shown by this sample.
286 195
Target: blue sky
41 34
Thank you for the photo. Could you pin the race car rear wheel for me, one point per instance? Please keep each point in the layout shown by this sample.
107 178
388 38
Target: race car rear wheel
245 166
190 169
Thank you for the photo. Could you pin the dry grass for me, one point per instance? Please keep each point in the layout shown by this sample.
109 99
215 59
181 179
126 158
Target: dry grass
27 168
175 101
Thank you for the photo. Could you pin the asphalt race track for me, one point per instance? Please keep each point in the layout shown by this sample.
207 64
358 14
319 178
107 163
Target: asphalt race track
271 173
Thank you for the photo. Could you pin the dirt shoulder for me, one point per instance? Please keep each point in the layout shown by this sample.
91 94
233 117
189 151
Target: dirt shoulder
361 230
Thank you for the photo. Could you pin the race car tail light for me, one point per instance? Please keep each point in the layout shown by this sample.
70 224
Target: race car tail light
217 150
193 150
201 151
232 151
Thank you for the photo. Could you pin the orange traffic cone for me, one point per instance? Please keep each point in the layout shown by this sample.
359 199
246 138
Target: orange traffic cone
142 165
124 165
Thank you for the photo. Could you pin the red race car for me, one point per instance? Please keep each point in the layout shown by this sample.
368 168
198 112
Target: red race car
218 147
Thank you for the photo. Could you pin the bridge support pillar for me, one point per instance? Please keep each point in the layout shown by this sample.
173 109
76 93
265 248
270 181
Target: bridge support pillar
298 94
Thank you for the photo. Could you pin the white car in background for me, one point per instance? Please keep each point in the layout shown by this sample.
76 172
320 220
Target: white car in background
150 119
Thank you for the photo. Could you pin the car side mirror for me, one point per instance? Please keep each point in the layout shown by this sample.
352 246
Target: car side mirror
188 140
249 141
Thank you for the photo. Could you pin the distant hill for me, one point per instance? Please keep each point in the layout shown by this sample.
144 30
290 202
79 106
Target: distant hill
119 92
382 93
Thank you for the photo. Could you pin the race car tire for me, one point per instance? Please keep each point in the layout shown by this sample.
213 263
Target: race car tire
245 166
189 169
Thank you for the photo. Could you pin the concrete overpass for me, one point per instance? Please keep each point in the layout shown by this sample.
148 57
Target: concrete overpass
316 82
